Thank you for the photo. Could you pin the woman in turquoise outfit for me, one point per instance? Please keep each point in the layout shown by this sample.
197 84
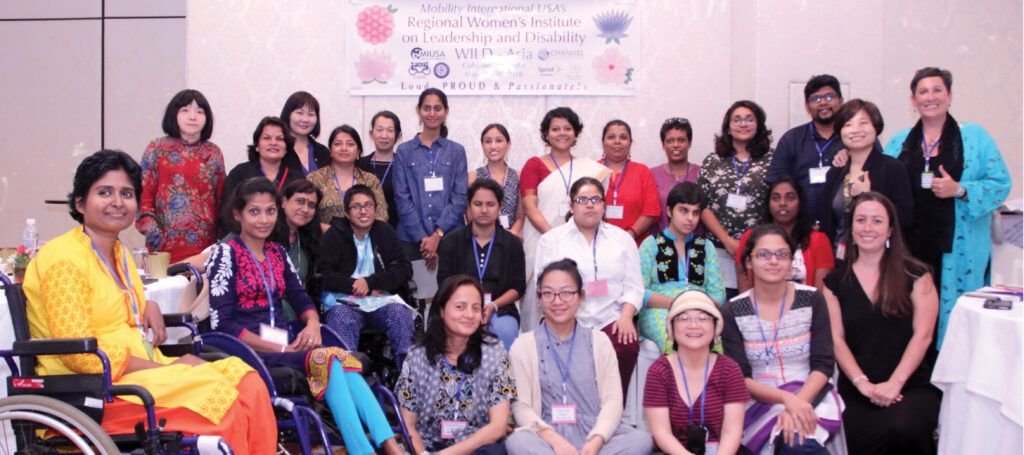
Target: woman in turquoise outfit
956 174
665 274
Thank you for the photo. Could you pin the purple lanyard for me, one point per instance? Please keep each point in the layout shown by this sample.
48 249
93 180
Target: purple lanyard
928 151
740 174
451 372
270 288
342 192
487 168
563 370
685 175
566 182
820 149
433 163
373 161
311 159
124 283
775 339
686 385
622 176
481 268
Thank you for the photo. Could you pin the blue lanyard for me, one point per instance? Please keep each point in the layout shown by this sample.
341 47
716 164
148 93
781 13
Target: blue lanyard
566 182
462 378
928 152
668 170
686 385
269 288
685 272
481 268
283 177
373 162
433 163
593 250
341 192
487 168
311 159
124 283
775 339
821 149
563 369
622 176
740 174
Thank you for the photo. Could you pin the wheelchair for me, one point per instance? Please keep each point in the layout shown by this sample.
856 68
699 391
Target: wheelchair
61 413
295 400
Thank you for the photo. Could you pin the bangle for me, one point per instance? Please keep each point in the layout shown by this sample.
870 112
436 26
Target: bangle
960 192
859 378
495 305
283 347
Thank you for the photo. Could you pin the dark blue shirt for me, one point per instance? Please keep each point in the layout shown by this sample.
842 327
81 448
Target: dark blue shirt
796 154
421 212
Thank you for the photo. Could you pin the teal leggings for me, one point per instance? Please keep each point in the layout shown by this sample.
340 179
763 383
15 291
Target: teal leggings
352 403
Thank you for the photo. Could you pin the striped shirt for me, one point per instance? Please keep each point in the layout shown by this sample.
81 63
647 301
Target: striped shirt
725 385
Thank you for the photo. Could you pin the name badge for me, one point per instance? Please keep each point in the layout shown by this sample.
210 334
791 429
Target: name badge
563 208
818 174
450 427
737 202
563 413
597 288
487 299
273 335
840 251
614 212
431 184
505 223
767 379
926 179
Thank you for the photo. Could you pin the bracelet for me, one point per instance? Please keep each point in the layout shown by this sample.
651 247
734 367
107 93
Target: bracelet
859 378
495 305
283 347
960 192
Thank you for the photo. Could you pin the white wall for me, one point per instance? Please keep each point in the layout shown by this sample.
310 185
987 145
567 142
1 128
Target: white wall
248 56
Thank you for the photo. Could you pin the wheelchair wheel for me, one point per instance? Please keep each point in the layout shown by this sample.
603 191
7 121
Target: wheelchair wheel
23 417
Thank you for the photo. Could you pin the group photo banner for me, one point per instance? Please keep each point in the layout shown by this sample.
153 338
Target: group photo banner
493 47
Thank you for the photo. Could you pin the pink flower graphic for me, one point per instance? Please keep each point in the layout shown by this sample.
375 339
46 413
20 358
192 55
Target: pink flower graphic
376 23
375 66
612 67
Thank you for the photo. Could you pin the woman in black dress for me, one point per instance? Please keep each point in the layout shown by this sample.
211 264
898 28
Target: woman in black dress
883 335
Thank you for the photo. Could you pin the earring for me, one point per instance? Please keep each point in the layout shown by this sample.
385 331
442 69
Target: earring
887 244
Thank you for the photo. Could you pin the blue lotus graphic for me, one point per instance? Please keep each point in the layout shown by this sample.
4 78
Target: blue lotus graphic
613 25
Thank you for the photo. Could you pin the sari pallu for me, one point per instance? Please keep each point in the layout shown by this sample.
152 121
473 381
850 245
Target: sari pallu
759 422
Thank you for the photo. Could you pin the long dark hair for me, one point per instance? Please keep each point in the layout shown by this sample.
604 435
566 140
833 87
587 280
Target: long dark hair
802 229
895 268
349 130
758 146
309 235
240 197
444 102
435 337
296 101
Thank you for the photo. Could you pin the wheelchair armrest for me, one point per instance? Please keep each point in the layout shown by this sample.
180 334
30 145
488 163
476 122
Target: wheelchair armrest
183 268
54 346
142 394
234 347
178 319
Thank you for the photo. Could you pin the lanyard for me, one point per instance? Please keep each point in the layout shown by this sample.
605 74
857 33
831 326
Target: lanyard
685 272
820 149
566 182
775 339
622 176
373 161
562 369
487 167
668 169
341 192
704 388
462 378
928 151
433 163
269 288
311 159
740 174
593 250
125 284
482 267
283 177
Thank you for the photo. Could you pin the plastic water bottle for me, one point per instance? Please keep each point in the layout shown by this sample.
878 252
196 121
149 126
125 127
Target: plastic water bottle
30 238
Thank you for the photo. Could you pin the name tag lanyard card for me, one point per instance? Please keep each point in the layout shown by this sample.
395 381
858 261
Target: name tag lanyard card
764 338
615 211
127 288
696 433
927 175
373 162
596 287
341 192
567 182
505 222
817 175
481 266
449 427
268 332
737 201
564 413
433 183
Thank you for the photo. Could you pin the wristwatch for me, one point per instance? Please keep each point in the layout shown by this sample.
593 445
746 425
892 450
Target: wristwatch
439 232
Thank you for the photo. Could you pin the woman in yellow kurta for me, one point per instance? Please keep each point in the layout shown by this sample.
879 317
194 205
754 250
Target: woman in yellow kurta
84 284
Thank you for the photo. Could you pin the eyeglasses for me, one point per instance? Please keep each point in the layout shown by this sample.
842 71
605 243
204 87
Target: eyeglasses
815 99
591 199
676 120
765 255
743 120
359 207
699 319
549 296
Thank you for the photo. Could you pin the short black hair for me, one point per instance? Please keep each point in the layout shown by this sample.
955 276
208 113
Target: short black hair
560 112
296 101
349 130
931 71
180 100
289 141
240 197
676 123
485 184
686 193
850 110
388 115
820 81
358 189
93 168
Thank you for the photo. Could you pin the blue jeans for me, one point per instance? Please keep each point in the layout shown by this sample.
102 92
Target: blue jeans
809 447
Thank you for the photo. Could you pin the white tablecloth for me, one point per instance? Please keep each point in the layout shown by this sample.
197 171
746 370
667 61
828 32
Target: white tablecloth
166 293
981 373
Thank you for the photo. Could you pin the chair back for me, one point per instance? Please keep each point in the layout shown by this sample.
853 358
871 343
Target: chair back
19 319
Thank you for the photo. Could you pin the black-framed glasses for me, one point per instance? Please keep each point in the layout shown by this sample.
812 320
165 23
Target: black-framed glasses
676 120
819 98
549 296
366 205
591 199
765 255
